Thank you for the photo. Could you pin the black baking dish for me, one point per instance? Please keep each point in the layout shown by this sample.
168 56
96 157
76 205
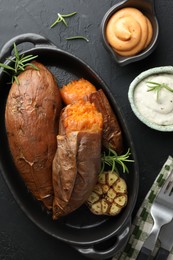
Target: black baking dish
81 229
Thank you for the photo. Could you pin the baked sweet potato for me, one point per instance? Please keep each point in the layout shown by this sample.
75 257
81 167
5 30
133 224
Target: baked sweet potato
75 170
112 134
76 90
31 117
83 89
78 158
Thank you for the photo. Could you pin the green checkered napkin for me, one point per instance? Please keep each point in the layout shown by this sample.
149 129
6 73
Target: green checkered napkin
143 221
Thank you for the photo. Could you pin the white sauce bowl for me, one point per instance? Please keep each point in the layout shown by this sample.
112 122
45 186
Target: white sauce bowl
156 111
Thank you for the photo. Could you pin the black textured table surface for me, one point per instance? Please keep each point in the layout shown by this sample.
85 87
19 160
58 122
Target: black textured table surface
19 237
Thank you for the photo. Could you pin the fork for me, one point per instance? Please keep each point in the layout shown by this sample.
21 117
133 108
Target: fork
162 213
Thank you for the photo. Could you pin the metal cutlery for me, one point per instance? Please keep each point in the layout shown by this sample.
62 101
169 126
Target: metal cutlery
162 213
166 241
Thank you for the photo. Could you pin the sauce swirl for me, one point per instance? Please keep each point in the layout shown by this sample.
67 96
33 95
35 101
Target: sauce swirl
159 111
129 31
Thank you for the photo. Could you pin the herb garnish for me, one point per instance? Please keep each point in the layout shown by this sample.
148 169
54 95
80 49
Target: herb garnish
20 62
77 37
61 18
112 159
154 86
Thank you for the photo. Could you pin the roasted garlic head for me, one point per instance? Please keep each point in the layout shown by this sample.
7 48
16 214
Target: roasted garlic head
109 195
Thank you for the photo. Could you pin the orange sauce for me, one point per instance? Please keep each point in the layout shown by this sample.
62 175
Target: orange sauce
129 31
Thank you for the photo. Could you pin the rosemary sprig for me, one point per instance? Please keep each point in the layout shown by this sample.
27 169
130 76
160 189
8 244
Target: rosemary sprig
155 86
112 159
77 37
20 63
61 17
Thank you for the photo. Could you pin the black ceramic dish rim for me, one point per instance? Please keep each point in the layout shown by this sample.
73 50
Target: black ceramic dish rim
113 102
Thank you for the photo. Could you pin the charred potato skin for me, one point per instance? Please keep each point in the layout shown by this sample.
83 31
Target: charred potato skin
31 117
112 134
76 166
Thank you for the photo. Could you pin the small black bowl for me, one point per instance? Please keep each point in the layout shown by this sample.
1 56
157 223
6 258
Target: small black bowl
147 8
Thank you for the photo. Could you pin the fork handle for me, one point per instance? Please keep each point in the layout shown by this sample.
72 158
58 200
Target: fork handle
144 254
162 254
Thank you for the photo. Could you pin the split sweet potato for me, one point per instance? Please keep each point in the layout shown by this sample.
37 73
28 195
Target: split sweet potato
83 89
75 170
78 157
31 117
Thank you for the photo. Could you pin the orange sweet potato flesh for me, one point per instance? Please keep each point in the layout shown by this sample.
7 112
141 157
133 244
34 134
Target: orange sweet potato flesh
112 134
76 90
75 170
80 116
31 117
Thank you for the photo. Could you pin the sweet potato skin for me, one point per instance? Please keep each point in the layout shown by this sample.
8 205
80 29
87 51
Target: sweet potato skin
76 167
112 134
31 118
77 161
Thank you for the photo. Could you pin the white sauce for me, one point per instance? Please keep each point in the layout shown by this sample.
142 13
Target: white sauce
158 111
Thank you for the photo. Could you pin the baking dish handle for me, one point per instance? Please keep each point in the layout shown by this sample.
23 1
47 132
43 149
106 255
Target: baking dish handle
121 240
35 39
